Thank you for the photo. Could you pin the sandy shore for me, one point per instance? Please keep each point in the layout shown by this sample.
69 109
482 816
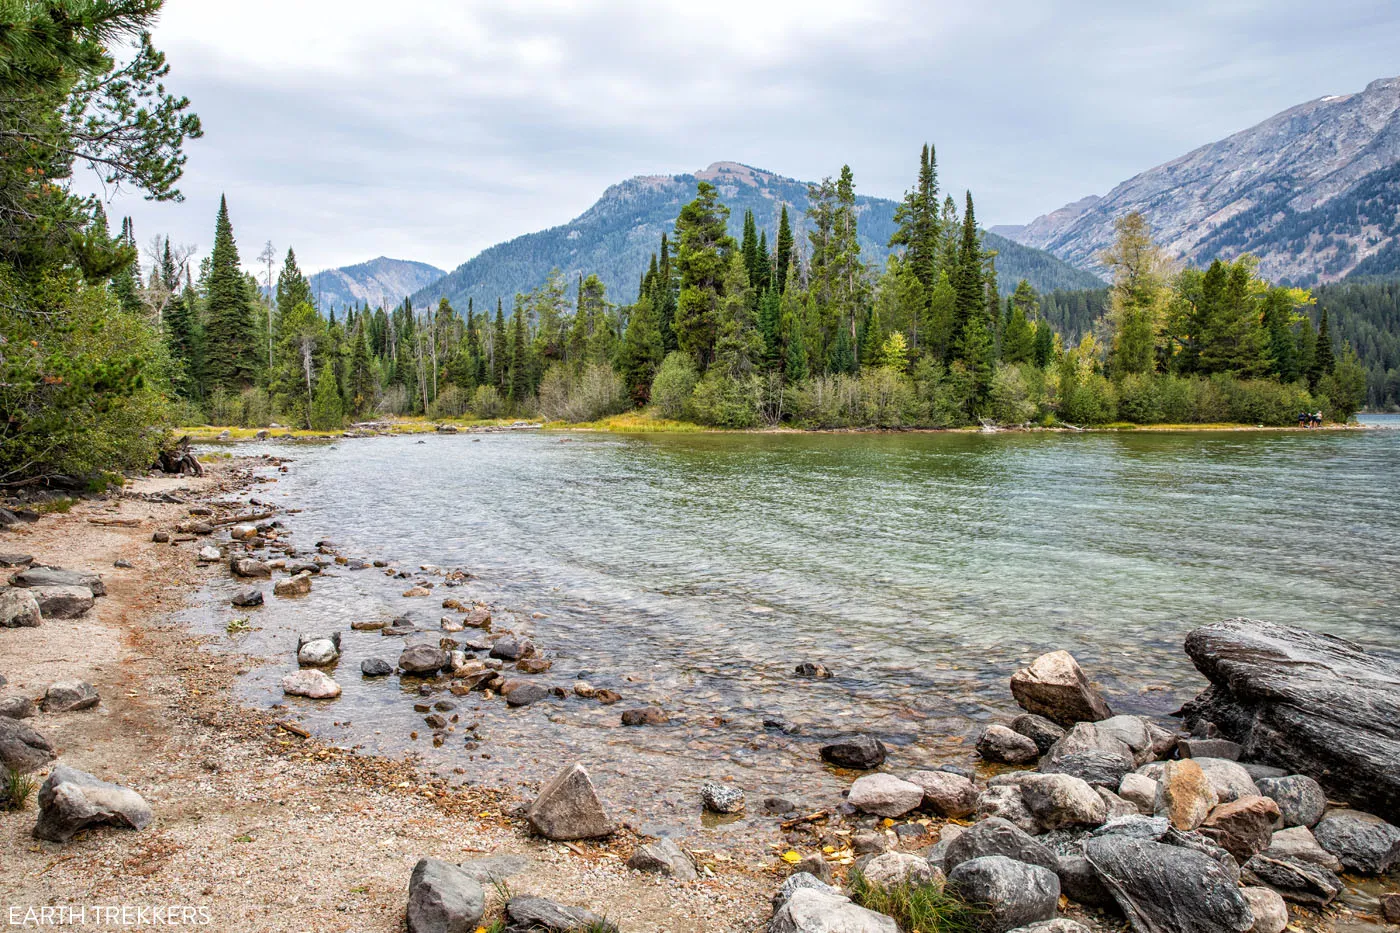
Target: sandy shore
264 829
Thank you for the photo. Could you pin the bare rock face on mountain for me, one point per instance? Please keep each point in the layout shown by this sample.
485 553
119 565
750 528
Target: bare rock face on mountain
1312 191
1311 704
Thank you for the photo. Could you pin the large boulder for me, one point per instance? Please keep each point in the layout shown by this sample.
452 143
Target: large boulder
443 898
1269 910
995 836
1300 799
1144 738
17 707
1363 842
1039 730
538 915
57 576
1139 790
63 602
1059 801
21 748
71 801
857 752
1012 893
1184 794
1229 779
1300 882
813 910
1309 703
1053 686
423 660
889 869
1168 888
946 793
19 608
1298 842
796 882
1000 744
663 857
885 795
1100 769
69 696
568 808
1004 802
1243 827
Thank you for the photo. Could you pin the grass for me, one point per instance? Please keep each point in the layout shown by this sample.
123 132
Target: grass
16 789
237 626
917 908
503 894
53 506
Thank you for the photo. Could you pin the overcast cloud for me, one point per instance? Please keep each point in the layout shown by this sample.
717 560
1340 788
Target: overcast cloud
454 125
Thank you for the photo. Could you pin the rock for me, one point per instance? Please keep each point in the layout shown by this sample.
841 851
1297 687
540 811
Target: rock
376 667
537 915
1297 881
1184 794
443 898
995 836
68 696
644 716
19 608
243 532
1139 790
947 794
1039 730
568 808
63 602
1053 686
937 852
1313 704
511 648
1257 771
318 650
1300 799
423 660
71 801
1058 925
533 665
1000 744
248 567
778 805
1059 801
1013 893
796 882
1243 827
526 694
1114 805
1145 739
413 592
1168 889
1390 908
309 682
1298 842
857 752
885 795
495 868
721 798
1099 769
1209 748
816 866
1005 802
664 857
17 708
868 843
298 585
895 868
810 910
809 669
247 597
368 625
1269 910
1363 842
160 537
1229 779
14 560
22 749
399 626
57 576
1079 882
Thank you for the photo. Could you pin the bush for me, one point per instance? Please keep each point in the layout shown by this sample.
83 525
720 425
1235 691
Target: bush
1140 398
487 402
1263 401
1012 399
1093 401
673 385
946 393
726 401
592 393
395 401
827 402
888 399
452 402
251 408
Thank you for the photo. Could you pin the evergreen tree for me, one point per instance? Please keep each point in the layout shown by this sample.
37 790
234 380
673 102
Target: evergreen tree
519 388
738 343
1044 344
770 328
764 270
941 318
702 256
1324 360
500 352
182 343
641 353
918 227
783 257
1231 339
128 273
968 285
749 248
228 312
664 297
794 331
327 413
362 388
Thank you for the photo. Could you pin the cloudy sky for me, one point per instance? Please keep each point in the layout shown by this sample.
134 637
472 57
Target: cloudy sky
455 125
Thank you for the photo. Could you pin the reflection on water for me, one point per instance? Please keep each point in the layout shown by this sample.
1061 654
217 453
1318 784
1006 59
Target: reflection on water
695 571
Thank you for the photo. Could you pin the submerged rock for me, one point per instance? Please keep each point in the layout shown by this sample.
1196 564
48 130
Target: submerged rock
376 667
71 800
423 659
247 597
318 650
298 585
1053 686
857 752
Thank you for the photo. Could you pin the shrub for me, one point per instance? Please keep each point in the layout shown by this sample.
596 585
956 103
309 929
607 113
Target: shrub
1140 398
827 402
673 385
452 402
888 399
592 393
946 393
1012 398
487 403
726 401
1093 401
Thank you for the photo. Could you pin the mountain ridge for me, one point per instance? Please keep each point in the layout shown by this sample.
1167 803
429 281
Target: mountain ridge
377 281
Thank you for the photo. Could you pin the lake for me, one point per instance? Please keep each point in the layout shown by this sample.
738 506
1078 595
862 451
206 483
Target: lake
697 570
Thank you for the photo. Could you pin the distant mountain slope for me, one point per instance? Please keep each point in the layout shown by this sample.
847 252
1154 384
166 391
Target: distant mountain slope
1314 191
380 281
617 235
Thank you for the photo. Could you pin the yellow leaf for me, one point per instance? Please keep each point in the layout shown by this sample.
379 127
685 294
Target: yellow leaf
791 857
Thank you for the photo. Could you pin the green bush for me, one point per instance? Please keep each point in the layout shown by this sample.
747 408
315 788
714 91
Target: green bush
726 401
1093 401
452 402
585 395
888 399
1013 398
673 385
827 402
1140 398
487 402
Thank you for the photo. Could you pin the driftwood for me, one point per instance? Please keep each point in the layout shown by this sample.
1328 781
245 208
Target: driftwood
179 459
809 818
236 519
123 522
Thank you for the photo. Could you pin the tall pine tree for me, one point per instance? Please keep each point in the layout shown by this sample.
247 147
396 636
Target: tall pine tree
228 311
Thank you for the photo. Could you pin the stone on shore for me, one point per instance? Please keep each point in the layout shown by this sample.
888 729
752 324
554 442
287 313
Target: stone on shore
885 795
248 567
19 608
568 808
995 836
298 585
22 749
494 869
1139 790
1269 910
1168 888
68 696
1013 893
857 752
1243 827
1039 730
1312 704
1297 881
63 602
443 898
1059 801
1145 739
663 857
721 798
247 597
1184 794
1000 744
57 576
311 683
812 910
796 882
1005 802
645 716
1053 686
423 660
1300 799
1229 778
1364 842
17 707
1099 769
209 555
946 793
318 650
1058 925
1298 842
1210 748
71 801
376 667
538 915
894 868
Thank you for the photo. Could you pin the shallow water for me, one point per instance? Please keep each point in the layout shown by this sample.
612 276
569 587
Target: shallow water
696 571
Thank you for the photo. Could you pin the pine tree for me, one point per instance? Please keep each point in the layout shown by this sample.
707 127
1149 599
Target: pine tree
1324 359
738 344
702 253
770 327
1231 339
968 284
764 270
327 411
182 342
362 381
125 278
500 352
640 354
664 297
229 313
919 229
1044 344
794 329
749 248
519 388
783 257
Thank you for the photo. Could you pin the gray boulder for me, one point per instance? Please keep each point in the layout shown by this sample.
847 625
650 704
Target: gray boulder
1053 686
1300 799
538 915
1167 888
443 898
318 650
71 801
857 752
21 748
247 597
1145 739
946 793
1013 893
1139 790
57 576
894 868
1269 910
1363 842
68 696
1312 704
376 667
568 808
1298 881
63 602
797 881
885 795
1005 802
1039 730
1298 842
663 857
423 659
995 836
721 798
1209 748
1100 769
812 910
1000 744
1059 801
1229 778
17 707
1079 882
311 683
248 567
19 608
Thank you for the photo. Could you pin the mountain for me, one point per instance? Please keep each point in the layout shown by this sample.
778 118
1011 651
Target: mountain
380 281
1314 192
617 235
